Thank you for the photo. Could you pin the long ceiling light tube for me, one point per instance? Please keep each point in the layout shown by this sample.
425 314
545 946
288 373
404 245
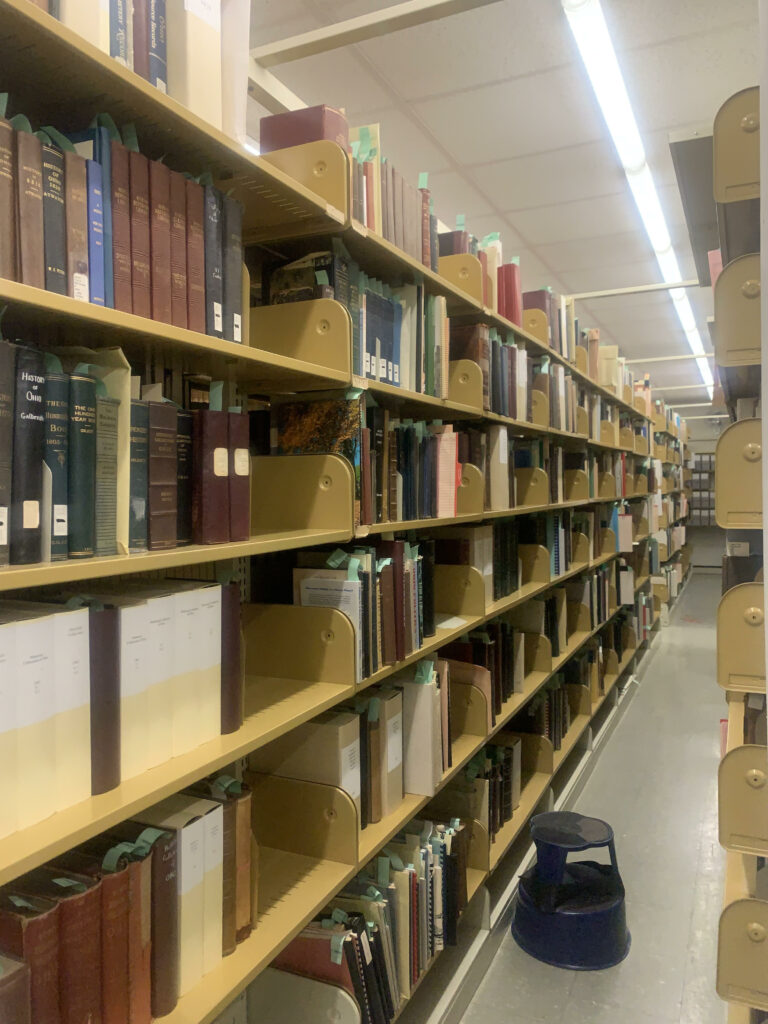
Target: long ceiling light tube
590 31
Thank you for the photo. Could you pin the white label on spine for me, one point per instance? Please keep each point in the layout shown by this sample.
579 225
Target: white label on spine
238 327
73 673
134 648
241 461
220 462
218 319
80 287
60 521
395 742
35 691
366 947
30 515
3 525
350 769
208 11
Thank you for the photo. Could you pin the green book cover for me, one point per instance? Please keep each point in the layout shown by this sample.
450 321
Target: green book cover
105 501
82 465
57 459
137 508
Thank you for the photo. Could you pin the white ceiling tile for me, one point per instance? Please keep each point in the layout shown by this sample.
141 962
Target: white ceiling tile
634 25
405 144
582 218
600 251
273 20
497 122
453 194
338 79
617 275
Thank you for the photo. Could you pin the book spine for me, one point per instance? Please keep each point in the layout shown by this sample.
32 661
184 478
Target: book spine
95 215
80 956
140 234
115 896
121 227
160 238
165 928
212 240
7 396
232 259
195 257
15 984
231 673
77 221
28 448
239 477
210 488
140 942
426 235
162 486
184 477
137 508
105 502
36 941
104 648
29 210
118 30
141 38
57 459
54 220
82 465
7 201
103 155
158 57
178 249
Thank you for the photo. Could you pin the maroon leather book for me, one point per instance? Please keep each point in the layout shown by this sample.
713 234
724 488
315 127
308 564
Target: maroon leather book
296 127
163 485
210 477
426 239
239 477
453 243
195 257
160 239
115 894
121 227
29 210
513 293
395 549
104 643
79 899
231 660
160 849
29 930
141 38
178 249
8 252
76 210
15 992
141 276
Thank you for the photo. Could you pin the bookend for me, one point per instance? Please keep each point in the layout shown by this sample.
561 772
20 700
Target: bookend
539 408
318 331
535 563
606 486
738 481
641 445
532 486
582 361
537 650
469 711
629 486
608 542
536 322
320 166
300 493
470 497
742 952
742 794
579 620
465 273
579 549
609 433
639 404
575 485
736 147
627 394
465 383
741 639
626 437
459 590
582 420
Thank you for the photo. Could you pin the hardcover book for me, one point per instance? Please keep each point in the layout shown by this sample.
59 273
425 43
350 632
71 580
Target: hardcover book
160 236
28 451
54 219
297 127
56 469
210 491
214 270
95 215
195 257
82 465
29 930
77 226
232 243
105 501
121 226
239 477
141 274
139 453
178 259
15 991
184 475
162 489
7 400
29 210
7 201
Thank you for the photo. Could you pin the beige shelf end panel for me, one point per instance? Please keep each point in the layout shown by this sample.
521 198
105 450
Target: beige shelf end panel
609 432
459 590
582 361
319 332
629 486
627 395
470 497
738 494
532 486
539 408
582 420
742 793
737 313
606 485
465 383
469 711
626 437
464 272
742 953
639 404
736 147
575 485
537 653
580 547
300 492
641 484
326 652
741 639
535 562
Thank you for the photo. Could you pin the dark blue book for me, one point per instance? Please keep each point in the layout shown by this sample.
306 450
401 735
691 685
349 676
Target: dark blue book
94 144
95 231
397 330
119 13
158 62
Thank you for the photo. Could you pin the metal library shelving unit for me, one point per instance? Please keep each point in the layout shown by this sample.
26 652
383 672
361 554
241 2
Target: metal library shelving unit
297 194
742 964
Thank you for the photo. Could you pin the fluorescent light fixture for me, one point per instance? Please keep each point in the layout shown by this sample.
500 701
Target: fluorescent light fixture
596 48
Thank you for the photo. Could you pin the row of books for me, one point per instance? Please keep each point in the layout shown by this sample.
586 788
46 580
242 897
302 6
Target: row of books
104 686
87 468
399 334
119 927
91 217
197 54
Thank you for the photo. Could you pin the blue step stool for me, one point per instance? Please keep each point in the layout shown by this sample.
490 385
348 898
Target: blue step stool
571 914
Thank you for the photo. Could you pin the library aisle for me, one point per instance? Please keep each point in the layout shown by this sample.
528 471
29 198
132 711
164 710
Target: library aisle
660 795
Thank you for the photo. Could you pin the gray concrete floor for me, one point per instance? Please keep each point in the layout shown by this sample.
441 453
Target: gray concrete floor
655 781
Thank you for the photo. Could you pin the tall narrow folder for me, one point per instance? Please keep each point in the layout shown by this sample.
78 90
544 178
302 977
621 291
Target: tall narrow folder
422 734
